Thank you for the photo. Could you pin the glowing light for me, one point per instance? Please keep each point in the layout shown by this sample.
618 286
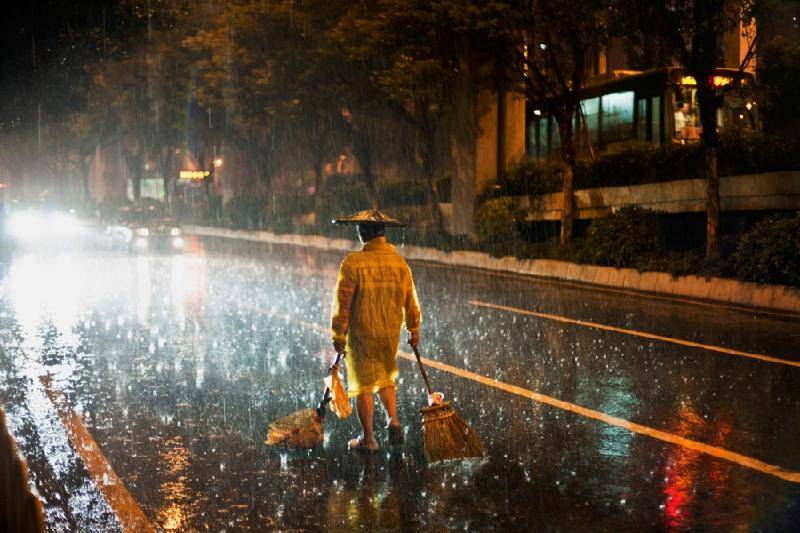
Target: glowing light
688 80
193 174
175 232
218 162
537 112
35 225
720 81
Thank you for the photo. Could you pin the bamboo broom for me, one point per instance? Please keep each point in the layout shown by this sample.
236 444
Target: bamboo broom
303 429
447 436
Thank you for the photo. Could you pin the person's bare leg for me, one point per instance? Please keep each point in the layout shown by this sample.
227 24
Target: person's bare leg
388 396
365 406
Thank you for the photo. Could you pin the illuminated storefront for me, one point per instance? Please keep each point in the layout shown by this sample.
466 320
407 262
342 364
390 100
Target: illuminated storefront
653 106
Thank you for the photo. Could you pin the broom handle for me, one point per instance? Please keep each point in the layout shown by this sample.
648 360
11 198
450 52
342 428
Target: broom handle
422 370
326 396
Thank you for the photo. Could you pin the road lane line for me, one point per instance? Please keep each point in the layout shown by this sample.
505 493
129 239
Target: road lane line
130 515
714 451
636 333
588 286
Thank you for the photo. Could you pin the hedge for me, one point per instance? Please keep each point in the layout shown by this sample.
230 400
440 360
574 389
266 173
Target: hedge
637 162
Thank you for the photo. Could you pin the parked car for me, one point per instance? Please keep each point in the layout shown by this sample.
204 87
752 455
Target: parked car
143 229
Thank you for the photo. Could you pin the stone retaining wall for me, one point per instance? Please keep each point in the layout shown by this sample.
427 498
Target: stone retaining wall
721 290
752 192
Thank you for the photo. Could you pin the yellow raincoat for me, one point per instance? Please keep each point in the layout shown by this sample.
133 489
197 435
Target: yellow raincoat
374 294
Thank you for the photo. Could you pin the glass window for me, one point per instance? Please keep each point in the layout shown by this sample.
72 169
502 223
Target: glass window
641 119
543 146
533 137
617 116
591 118
655 122
555 139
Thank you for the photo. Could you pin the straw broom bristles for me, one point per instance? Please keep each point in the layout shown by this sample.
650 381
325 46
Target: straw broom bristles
447 436
299 430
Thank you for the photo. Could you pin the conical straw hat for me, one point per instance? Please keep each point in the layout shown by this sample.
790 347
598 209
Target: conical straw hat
370 216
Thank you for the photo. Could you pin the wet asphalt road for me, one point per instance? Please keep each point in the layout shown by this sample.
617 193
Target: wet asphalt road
175 364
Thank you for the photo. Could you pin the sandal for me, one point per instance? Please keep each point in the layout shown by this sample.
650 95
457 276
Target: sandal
396 436
357 444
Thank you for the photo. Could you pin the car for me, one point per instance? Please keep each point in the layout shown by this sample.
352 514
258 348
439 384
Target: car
144 229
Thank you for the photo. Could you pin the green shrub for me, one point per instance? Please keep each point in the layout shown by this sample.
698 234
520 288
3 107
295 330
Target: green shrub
341 195
531 178
770 252
397 191
244 212
282 211
622 239
496 226
629 164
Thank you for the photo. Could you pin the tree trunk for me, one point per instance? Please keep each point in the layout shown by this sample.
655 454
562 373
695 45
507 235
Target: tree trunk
427 125
364 156
568 207
134 161
433 191
501 130
166 177
372 189
708 120
712 204
318 196
85 169
568 166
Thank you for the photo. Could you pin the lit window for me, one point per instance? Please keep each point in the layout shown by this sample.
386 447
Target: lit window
617 116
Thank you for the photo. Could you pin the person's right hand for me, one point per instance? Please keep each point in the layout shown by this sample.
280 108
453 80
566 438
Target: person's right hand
339 346
413 339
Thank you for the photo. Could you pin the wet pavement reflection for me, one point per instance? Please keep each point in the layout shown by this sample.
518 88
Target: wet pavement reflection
176 363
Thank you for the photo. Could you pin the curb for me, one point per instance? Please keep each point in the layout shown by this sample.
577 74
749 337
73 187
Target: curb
20 509
726 291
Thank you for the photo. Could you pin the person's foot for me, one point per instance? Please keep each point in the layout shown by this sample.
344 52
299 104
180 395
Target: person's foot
396 436
359 444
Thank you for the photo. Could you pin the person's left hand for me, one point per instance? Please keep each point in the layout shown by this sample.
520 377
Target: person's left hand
413 339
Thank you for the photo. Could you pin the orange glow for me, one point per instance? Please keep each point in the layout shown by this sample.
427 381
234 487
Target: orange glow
683 468
719 81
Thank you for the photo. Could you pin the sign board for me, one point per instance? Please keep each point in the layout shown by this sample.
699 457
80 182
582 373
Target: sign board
193 174
148 188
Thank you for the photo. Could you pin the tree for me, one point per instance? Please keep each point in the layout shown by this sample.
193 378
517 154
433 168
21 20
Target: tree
694 30
406 48
559 36
779 85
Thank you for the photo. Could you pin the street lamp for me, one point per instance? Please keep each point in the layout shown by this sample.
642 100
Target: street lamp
218 162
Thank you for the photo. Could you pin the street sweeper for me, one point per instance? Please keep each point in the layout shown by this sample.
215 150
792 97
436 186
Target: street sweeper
374 298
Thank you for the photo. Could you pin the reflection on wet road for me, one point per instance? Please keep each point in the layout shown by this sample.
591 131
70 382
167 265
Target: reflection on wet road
175 364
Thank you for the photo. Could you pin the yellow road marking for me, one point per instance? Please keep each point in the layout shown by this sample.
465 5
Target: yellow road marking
130 515
714 451
636 333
